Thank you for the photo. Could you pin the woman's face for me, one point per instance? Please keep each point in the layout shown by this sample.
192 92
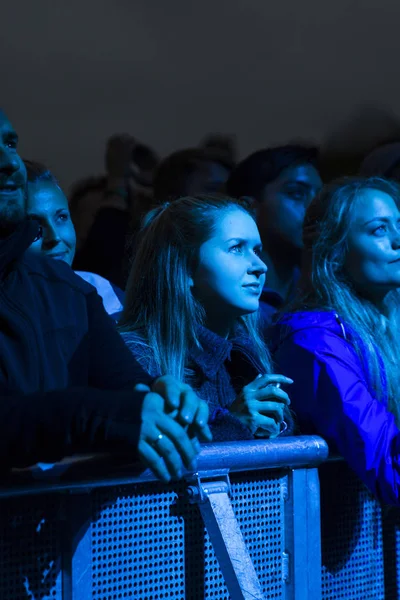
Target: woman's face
230 274
50 206
373 259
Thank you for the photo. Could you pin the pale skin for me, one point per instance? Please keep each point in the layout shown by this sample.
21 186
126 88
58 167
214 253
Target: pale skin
373 257
229 281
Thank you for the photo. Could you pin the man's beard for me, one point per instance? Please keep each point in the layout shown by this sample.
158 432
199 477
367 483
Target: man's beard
11 215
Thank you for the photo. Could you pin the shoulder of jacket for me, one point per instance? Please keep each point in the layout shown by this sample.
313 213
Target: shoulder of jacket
53 271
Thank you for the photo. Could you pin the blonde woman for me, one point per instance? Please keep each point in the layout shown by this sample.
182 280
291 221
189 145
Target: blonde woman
339 340
191 310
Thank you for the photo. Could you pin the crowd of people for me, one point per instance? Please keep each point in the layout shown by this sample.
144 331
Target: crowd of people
208 299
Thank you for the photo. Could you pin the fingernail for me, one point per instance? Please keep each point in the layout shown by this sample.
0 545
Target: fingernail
258 376
196 445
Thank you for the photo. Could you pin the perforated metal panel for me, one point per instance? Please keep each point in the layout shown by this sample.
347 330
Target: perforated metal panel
150 543
147 542
259 508
30 548
352 541
391 552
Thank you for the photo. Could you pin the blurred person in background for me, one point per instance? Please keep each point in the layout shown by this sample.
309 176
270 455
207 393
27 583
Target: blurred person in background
191 171
280 182
106 212
383 161
224 144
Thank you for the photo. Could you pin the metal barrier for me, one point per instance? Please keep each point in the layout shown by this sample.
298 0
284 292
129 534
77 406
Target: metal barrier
246 525
360 539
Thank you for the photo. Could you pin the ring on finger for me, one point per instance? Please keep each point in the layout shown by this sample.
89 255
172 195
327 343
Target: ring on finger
158 439
273 386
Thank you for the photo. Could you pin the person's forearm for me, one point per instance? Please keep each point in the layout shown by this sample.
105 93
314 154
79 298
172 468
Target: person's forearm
46 427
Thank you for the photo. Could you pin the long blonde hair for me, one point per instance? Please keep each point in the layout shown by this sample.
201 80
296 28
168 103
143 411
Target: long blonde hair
159 305
325 284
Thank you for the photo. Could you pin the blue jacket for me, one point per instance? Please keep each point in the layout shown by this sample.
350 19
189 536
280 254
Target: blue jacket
332 396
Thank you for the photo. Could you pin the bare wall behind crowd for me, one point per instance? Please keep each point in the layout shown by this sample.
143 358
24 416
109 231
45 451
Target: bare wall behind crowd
74 72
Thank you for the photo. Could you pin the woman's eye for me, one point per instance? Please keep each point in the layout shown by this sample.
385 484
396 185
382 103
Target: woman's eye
296 194
380 230
236 248
63 217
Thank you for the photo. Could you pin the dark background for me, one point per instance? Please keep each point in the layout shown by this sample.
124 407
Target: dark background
170 71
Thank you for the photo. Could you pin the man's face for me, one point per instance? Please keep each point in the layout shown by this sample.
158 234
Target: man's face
12 178
282 207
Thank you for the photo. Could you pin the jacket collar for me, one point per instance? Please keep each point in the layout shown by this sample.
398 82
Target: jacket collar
215 350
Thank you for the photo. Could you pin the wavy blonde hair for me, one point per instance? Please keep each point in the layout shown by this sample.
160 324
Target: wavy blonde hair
325 285
159 306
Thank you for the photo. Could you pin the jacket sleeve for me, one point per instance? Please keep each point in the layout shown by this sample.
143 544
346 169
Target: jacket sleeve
111 365
46 427
331 397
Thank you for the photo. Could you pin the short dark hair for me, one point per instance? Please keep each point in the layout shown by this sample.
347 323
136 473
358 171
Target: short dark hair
264 166
172 173
38 172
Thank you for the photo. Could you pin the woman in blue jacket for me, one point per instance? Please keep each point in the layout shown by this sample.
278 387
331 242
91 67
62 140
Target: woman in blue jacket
339 341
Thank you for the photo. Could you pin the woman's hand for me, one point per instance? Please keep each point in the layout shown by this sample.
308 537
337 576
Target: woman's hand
261 405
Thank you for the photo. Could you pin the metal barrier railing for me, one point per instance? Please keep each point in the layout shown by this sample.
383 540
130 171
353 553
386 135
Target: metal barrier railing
242 526
245 525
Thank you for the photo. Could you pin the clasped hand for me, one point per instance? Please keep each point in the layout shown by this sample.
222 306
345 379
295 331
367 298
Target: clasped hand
261 405
174 421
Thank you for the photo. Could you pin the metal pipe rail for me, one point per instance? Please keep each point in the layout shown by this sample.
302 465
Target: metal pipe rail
102 471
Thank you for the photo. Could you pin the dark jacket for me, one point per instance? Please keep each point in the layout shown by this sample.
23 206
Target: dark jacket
217 372
332 395
59 352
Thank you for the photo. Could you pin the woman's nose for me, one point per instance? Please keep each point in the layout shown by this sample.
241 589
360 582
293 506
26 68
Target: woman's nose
51 236
258 267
